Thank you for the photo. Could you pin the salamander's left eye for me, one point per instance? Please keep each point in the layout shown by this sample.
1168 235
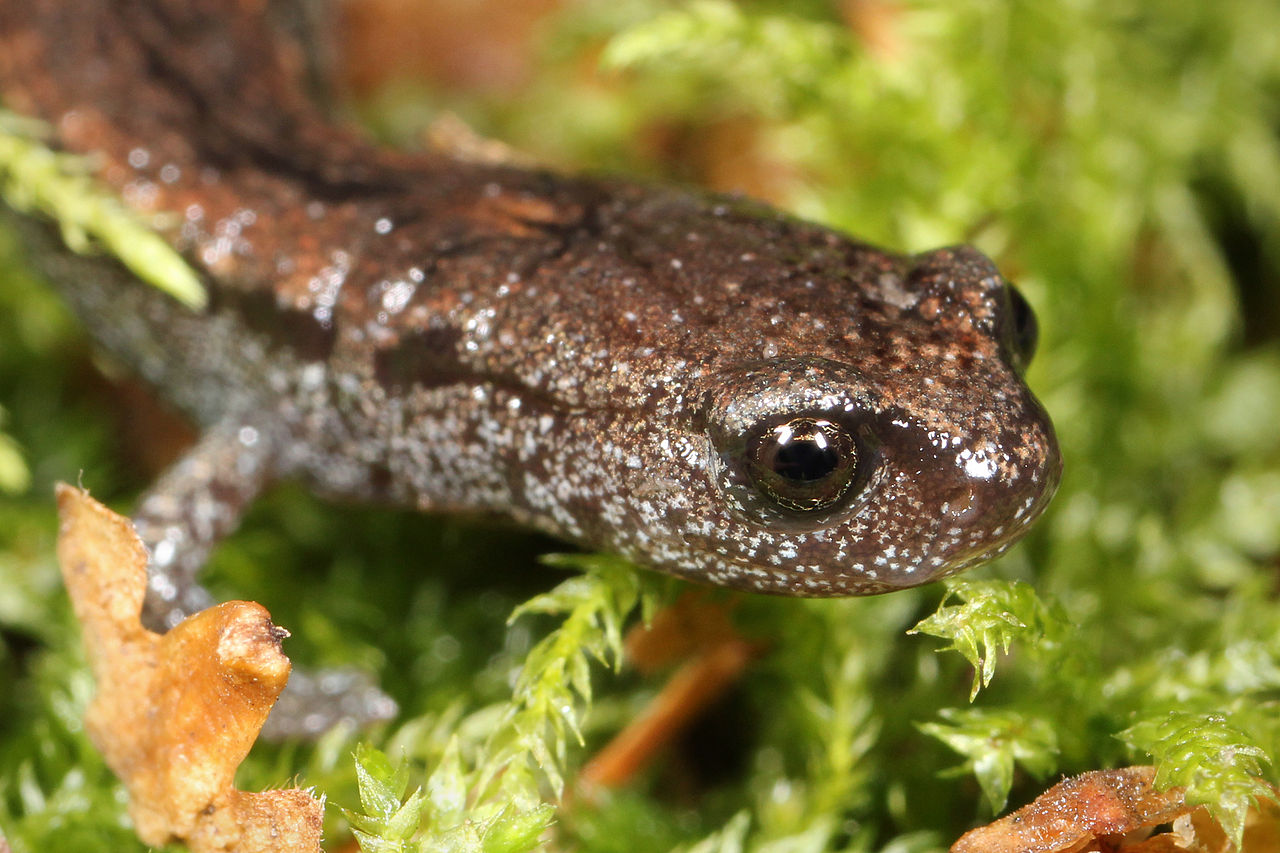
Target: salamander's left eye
1022 331
806 464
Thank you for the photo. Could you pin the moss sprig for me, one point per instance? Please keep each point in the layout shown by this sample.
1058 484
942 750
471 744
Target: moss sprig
992 743
1220 765
488 795
989 617
36 179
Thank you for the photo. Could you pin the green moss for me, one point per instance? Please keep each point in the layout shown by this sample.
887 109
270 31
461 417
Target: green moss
485 789
35 179
15 478
1119 160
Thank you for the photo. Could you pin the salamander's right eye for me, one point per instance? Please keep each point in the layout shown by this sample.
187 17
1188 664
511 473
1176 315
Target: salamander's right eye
805 465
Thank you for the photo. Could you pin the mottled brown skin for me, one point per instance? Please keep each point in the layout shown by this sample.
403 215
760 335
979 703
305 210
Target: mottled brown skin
588 357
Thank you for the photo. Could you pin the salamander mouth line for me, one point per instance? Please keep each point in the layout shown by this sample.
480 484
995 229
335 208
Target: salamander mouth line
1013 532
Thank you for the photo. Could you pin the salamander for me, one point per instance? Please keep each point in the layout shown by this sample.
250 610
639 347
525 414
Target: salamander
702 384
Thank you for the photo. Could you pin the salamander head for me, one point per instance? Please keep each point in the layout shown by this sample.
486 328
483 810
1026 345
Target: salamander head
907 450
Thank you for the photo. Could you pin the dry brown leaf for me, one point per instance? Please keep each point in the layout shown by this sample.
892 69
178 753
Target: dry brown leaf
1077 811
175 714
1104 811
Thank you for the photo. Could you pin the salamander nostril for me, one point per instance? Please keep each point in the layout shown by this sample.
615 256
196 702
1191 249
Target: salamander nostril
1022 332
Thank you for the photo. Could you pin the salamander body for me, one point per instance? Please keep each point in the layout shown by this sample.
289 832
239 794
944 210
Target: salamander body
702 384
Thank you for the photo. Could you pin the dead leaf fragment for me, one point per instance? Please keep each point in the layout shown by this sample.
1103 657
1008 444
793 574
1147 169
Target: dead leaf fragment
1077 811
175 714
1107 811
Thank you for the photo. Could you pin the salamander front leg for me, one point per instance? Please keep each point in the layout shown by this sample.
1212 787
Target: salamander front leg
193 506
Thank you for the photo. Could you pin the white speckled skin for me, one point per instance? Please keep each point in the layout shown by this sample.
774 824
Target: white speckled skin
583 356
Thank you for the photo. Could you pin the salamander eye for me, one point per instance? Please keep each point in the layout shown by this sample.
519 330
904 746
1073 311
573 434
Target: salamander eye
1023 330
805 464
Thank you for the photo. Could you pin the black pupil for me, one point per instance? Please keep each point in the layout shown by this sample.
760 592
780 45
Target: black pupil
806 457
